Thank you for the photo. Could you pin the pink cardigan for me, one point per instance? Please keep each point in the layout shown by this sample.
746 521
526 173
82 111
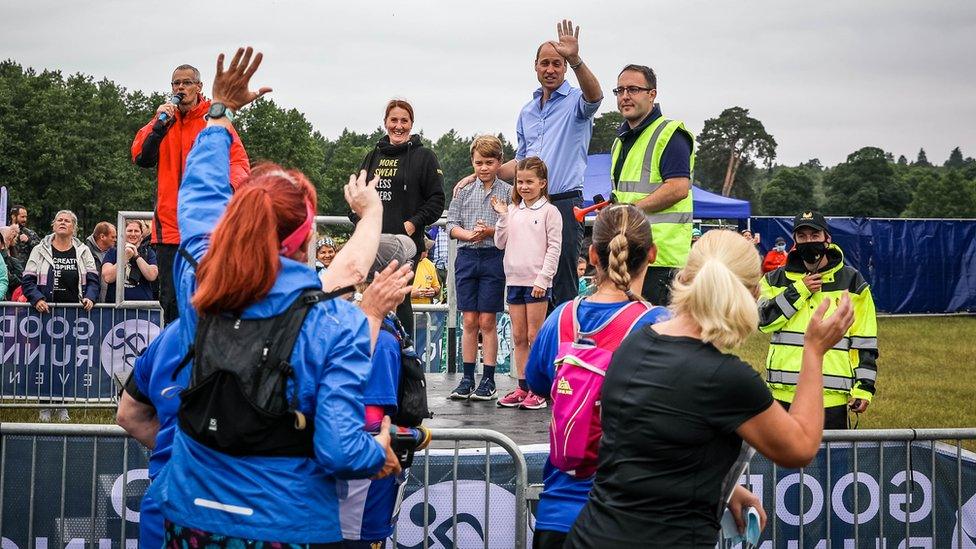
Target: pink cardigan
532 238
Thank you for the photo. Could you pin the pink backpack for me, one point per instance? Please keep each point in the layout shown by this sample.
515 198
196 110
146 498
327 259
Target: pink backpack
581 365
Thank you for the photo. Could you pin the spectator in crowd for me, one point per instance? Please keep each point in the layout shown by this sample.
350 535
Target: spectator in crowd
621 250
12 268
695 235
676 409
325 251
556 126
479 270
102 239
164 143
61 269
652 169
530 233
440 251
584 283
411 183
426 284
753 238
138 270
248 256
4 242
26 239
775 257
815 273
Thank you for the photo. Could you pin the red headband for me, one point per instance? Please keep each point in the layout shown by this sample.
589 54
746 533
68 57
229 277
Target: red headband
292 242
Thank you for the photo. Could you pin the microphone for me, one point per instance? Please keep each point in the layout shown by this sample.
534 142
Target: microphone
175 100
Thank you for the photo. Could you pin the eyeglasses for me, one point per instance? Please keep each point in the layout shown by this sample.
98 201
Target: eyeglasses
185 83
631 90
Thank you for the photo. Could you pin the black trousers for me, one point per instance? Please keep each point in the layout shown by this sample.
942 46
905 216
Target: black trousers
548 539
565 285
835 417
657 285
165 258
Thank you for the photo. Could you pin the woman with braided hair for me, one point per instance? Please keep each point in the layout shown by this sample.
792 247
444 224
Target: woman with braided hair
621 250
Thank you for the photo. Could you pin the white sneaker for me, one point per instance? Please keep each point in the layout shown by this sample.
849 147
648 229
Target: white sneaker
45 415
63 415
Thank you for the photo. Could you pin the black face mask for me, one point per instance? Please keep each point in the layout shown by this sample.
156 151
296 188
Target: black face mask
811 252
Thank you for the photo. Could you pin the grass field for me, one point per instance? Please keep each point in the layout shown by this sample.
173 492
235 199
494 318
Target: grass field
926 376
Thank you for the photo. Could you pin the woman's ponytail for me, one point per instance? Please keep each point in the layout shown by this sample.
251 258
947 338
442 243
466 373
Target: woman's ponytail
242 263
717 288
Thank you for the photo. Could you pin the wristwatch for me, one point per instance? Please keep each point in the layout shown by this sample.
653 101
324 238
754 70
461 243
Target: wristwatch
219 110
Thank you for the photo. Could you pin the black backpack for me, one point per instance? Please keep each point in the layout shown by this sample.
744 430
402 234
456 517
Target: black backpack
238 401
412 407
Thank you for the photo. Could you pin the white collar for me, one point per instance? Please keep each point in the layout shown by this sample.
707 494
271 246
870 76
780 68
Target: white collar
538 204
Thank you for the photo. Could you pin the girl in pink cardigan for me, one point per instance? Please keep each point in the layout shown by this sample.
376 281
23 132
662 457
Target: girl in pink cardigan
530 232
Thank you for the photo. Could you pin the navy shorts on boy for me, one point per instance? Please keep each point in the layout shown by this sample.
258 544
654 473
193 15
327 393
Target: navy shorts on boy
479 276
520 295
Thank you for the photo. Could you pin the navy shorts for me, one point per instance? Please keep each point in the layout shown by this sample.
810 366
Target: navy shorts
479 276
520 295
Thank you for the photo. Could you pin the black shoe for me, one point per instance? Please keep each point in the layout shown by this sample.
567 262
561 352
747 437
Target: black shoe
486 390
464 389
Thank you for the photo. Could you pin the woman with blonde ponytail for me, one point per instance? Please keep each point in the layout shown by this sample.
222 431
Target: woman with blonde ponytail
621 250
676 408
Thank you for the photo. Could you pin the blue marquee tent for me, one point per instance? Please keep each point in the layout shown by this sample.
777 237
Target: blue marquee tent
706 205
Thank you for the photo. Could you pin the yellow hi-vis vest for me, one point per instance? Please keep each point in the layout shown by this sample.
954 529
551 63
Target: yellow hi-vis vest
641 175
785 309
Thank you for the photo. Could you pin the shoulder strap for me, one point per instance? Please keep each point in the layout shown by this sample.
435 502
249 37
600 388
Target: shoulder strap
189 258
623 321
568 324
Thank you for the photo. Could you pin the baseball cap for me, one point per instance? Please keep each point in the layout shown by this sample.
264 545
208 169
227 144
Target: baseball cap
393 246
780 240
814 220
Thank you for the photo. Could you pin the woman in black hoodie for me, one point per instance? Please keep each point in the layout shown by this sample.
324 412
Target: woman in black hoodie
411 184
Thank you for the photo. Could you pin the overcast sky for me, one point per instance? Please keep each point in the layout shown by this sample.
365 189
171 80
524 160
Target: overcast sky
826 78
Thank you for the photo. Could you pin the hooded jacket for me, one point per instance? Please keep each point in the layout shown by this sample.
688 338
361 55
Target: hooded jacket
284 499
411 185
168 147
40 268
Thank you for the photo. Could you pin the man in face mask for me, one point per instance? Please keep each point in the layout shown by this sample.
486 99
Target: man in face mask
815 271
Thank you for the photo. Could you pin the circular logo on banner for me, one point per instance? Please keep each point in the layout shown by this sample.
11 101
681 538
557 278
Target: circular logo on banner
123 343
470 516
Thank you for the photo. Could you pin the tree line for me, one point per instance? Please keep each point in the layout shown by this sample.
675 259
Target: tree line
64 144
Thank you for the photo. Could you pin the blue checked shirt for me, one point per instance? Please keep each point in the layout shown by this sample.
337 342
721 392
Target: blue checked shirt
472 203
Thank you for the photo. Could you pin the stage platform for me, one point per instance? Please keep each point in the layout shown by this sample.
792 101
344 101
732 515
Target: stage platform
522 426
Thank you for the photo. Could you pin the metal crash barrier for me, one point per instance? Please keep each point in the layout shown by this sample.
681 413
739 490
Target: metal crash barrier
81 486
70 357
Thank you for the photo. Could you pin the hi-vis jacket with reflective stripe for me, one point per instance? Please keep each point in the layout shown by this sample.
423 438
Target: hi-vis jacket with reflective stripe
785 309
641 175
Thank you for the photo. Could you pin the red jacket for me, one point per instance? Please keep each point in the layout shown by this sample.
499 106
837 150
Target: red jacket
173 150
774 260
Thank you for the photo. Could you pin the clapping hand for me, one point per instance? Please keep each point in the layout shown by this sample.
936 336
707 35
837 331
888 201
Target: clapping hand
388 289
568 44
362 196
130 251
230 86
500 207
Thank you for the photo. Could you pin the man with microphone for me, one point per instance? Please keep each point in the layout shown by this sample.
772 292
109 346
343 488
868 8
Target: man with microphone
164 142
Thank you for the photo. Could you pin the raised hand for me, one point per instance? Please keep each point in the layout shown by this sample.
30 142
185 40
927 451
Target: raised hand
823 333
568 44
388 289
500 207
362 196
230 86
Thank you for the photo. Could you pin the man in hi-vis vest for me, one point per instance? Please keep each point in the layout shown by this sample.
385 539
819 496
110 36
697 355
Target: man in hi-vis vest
815 271
651 164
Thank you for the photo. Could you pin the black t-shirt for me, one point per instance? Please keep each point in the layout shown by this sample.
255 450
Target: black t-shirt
670 409
64 285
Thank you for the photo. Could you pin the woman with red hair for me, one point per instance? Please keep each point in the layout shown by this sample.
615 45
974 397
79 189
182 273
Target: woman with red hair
253 266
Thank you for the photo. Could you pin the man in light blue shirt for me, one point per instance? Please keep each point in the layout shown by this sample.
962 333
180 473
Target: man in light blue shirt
556 126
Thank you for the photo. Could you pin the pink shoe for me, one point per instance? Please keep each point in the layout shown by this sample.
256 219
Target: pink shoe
533 402
513 399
